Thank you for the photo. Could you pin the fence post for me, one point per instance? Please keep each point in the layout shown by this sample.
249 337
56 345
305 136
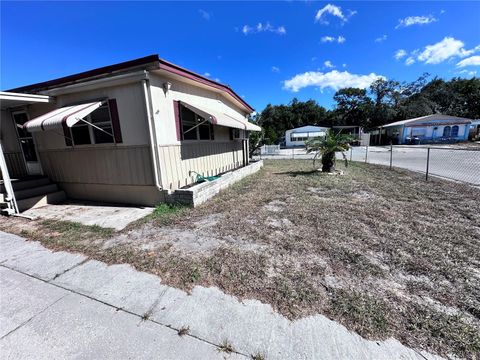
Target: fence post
391 155
351 153
293 153
428 163
366 153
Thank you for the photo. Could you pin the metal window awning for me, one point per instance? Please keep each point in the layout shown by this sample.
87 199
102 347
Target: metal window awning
221 119
58 118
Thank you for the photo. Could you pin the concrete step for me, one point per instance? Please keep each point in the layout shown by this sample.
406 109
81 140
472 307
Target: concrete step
26 184
41 200
5 210
35 191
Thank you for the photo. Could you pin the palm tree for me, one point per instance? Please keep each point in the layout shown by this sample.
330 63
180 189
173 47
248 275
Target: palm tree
327 147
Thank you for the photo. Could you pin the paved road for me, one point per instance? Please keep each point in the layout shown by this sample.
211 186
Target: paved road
461 165
64 306
446 162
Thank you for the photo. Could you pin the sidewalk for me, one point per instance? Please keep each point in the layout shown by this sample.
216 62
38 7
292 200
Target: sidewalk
62 306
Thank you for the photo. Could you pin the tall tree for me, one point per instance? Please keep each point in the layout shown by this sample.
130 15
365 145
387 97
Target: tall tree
353 107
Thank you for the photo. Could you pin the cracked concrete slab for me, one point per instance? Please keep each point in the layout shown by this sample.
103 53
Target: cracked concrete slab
15 246
77 327
44 264
253 327
118 285
22 297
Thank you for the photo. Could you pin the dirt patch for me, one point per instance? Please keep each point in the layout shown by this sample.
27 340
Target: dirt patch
383 252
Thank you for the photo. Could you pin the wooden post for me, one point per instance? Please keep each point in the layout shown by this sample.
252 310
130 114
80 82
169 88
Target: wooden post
366 153
391 155
428 164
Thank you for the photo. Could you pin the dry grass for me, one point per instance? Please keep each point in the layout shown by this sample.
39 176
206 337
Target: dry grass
383 252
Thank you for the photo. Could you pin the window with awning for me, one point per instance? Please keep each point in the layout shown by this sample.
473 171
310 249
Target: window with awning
64 116
88 123
218 118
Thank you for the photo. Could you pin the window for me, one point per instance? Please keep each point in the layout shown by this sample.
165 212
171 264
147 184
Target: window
419 132
446 131
454 131
298 138
194 127
83 133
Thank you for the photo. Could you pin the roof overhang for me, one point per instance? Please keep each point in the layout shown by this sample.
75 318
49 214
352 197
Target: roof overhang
11 99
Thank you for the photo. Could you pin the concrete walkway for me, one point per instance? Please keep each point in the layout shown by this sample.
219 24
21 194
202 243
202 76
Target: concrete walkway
63 306
90 213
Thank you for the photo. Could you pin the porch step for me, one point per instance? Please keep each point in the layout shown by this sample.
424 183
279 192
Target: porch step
32 192
35 191
41 200
21 184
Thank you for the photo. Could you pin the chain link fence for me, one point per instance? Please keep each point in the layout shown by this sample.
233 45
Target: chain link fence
459 163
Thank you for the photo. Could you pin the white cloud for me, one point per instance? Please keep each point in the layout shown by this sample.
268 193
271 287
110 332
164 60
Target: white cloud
206 15
314 58
400 53
381 39
443 50
330 39
344 65
409 61
468 72
328 64
207 74
275 69
471 61
332 10
333 79
217 80
415 20
261 27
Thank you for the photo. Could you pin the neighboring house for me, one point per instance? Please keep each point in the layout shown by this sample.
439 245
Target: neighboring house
127 133
426 129
297 137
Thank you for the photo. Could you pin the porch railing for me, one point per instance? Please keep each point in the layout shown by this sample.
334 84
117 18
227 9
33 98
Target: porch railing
12 207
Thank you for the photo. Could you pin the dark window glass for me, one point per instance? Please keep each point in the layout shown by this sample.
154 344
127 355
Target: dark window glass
204 131
188 119
446 131
100 115
81 134
28 149
455 131
101 137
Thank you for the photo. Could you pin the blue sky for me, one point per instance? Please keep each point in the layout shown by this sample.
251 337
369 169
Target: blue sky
268 52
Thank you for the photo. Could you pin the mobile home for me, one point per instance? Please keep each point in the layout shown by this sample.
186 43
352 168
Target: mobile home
132 132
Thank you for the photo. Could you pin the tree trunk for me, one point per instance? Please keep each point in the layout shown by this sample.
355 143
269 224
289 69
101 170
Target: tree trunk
328 163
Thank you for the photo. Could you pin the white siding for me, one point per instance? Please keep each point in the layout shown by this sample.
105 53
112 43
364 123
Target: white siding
206 157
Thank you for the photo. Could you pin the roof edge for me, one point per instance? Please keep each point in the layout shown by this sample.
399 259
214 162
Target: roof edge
87 74
168 66
144 61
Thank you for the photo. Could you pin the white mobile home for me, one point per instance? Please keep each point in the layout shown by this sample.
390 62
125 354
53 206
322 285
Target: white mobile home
130 133
297 137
